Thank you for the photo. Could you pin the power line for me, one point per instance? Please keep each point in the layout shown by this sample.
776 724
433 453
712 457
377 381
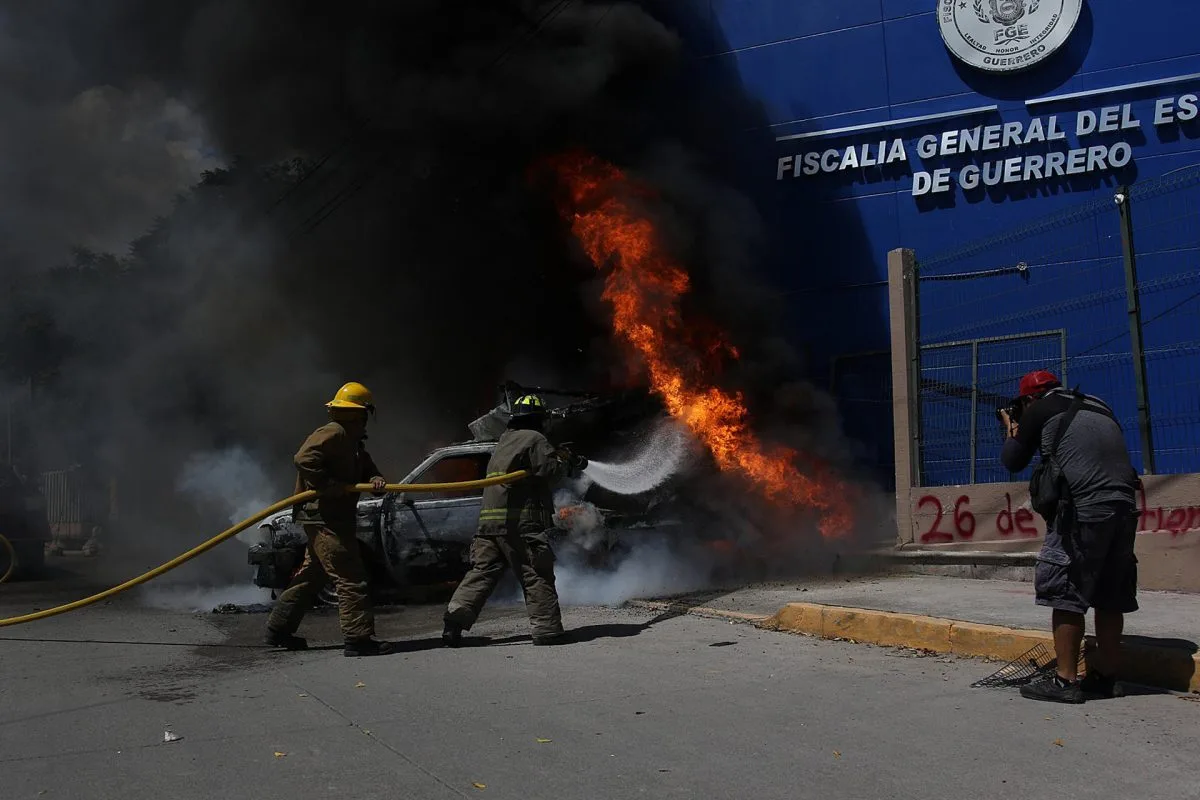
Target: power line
315 169
1123 334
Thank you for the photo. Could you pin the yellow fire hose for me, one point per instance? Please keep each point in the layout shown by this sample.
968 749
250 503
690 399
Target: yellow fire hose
392 488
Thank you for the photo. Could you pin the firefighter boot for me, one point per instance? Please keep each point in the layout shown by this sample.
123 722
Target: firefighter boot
288 641
451 634
366 647
544 640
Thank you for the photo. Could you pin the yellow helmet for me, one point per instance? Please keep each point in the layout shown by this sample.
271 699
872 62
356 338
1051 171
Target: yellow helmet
353 395
529 405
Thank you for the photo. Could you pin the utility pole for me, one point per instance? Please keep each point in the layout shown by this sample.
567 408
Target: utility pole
1133 306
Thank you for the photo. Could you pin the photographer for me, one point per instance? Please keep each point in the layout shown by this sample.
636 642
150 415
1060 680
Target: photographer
1085 488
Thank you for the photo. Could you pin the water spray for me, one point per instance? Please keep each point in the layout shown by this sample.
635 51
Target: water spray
664 454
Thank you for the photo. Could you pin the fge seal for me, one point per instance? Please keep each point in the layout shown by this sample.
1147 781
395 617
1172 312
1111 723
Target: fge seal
1006 35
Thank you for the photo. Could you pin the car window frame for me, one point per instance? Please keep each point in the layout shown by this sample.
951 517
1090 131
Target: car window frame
432 463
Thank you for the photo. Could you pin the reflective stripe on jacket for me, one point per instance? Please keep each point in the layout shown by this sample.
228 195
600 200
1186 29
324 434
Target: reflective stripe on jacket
525 506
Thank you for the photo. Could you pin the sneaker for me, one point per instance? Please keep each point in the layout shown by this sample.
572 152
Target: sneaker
288 641
366 647
1053 690
451 635
1099 685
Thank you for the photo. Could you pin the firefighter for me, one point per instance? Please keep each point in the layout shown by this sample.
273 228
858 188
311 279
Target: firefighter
514 528
332 459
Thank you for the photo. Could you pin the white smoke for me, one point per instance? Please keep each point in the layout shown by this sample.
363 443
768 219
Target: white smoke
232 481
653 567
583 522
105 162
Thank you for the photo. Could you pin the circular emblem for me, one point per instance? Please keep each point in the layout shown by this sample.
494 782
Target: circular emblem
1006 35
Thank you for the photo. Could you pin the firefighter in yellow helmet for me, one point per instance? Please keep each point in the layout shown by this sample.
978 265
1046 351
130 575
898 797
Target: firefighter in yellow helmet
513 528
332 459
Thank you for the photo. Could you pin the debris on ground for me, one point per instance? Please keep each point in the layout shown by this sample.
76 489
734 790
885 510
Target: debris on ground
169 736
234 608
915 652
1034 663
479 785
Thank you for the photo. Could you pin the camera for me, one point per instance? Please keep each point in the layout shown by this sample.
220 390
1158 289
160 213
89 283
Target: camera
1013 409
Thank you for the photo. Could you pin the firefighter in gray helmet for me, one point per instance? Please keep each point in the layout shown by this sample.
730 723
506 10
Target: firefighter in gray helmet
513 527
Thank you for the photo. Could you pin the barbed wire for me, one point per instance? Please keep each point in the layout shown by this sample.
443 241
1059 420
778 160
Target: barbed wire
1021 269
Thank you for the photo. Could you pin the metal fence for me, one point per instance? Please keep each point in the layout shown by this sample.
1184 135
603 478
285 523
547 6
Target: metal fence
1107 293
961 388
78 504
64 507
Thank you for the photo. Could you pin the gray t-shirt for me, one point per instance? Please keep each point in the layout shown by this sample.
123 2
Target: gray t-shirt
1092 453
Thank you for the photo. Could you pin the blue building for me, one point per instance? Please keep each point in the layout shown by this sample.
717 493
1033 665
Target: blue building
992 137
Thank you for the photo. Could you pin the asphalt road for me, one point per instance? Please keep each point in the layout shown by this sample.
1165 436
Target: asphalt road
640 706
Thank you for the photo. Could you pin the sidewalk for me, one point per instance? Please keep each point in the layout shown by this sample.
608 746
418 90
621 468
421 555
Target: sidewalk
988 618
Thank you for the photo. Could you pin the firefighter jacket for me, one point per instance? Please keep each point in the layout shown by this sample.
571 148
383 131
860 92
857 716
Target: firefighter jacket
331 456
525 506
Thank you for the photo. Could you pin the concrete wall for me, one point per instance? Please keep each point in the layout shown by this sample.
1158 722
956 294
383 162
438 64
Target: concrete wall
996 516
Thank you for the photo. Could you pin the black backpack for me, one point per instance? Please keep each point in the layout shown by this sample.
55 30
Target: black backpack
1048 485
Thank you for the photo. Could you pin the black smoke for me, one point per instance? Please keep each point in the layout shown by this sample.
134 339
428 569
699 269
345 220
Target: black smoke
276 196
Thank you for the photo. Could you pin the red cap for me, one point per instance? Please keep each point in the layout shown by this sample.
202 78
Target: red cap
1037 382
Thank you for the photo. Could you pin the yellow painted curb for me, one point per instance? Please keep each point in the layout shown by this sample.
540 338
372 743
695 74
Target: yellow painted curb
995 641
1163 666
698 611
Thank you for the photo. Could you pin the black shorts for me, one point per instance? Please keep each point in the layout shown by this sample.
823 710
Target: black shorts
1089 565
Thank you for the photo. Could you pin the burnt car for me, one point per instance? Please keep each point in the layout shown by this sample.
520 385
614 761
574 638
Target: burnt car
424 538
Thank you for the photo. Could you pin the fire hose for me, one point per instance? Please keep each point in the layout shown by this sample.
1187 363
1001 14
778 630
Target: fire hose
391 488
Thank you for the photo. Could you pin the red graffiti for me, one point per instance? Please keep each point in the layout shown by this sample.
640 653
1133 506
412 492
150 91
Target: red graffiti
1175 520
1006 521
1020 521
964 520
960 523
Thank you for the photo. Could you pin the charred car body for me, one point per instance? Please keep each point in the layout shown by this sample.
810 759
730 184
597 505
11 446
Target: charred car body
424 538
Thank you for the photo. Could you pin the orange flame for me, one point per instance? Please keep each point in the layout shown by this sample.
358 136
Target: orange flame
645 288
